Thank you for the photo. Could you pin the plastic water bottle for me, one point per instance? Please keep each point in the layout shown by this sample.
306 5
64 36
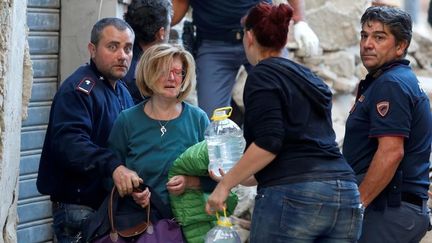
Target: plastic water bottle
225 142
223 232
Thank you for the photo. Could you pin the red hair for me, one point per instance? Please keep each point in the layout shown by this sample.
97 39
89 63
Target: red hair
269 24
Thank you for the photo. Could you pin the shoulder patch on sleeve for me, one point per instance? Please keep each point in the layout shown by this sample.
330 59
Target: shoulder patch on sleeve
86 85
383 108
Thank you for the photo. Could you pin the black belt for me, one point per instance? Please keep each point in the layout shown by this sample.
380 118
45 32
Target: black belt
412 198
235 35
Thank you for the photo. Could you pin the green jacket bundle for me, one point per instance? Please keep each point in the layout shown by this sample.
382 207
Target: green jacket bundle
189 207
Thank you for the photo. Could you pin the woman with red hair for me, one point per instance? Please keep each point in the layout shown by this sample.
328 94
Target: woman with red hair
306 189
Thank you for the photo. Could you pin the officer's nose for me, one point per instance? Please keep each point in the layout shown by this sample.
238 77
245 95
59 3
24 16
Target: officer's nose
121 54
368 43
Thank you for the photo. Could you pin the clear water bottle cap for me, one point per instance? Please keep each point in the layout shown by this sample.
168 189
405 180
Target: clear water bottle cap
221 113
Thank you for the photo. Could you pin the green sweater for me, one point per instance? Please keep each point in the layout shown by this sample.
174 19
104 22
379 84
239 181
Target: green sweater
189 207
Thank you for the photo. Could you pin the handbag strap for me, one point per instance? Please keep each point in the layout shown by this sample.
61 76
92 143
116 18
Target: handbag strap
133 231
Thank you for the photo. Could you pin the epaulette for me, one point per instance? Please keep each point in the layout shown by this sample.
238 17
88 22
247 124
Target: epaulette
86 85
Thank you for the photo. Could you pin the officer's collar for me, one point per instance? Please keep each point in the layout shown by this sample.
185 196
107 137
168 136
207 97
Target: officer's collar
370 77
99 75
376 73
94 68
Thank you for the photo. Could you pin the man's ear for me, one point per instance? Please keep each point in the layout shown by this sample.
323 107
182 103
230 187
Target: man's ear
160 34
401 47
92 49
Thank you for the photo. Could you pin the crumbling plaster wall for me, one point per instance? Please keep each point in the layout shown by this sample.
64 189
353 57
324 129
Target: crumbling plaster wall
15 91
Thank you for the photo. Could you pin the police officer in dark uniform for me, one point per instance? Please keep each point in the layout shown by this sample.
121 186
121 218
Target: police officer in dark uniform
150 20
75 160
389 131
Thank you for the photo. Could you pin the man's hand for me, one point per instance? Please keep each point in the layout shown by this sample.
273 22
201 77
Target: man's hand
306 39
125 180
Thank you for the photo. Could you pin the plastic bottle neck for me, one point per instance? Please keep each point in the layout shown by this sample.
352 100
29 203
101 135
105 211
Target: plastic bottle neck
224 222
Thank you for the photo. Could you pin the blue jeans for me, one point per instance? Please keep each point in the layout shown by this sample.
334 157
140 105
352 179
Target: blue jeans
68 221
217 63
316 211
405 224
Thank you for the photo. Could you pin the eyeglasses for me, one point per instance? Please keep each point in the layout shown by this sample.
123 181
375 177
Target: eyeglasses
177 72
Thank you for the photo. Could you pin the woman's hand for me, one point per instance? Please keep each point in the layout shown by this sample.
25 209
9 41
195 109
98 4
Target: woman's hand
142 198
178 184
216 200
216 177
251 181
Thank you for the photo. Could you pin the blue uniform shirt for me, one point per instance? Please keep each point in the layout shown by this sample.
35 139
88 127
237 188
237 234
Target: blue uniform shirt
391 103
75 157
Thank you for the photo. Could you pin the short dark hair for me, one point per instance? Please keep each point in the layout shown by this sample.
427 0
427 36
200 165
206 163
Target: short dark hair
147 16
97 29
398 21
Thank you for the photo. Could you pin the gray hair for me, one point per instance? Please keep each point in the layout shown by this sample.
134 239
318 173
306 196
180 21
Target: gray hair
398 21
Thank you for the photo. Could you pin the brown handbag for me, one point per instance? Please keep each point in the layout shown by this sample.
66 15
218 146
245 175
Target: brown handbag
128 232
131 223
